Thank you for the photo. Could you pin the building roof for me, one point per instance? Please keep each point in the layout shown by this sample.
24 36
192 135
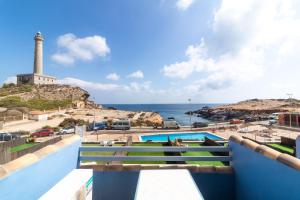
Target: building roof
37 112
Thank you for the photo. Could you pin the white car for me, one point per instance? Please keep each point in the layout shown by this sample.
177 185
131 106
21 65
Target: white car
121 125
68 130
170 124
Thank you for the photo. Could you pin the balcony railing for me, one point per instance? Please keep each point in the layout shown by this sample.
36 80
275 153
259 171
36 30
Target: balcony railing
153 149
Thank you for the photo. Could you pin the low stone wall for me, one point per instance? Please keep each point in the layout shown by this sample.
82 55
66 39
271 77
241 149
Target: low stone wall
16 142
5 155
11 118
17 154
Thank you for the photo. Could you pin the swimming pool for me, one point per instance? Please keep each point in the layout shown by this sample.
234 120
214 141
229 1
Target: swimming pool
184 136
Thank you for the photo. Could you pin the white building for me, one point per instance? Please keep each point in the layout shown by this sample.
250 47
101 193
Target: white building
38 116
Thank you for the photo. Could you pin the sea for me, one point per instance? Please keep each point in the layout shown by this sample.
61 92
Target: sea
167 110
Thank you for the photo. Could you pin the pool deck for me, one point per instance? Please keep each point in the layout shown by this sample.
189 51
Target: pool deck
255 133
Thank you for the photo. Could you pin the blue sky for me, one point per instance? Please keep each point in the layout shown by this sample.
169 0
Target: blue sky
157 51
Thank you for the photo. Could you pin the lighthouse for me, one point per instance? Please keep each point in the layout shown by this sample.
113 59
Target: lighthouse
38 54
37 77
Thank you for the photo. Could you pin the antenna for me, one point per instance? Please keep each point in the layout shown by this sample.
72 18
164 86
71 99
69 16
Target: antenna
290 95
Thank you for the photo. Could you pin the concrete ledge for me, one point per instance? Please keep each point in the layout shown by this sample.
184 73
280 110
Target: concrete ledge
20 163
46 150
250 144
236 139
289 160
3 172
268 152
29 159
138 167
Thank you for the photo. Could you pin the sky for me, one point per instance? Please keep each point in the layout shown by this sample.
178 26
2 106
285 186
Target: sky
158 51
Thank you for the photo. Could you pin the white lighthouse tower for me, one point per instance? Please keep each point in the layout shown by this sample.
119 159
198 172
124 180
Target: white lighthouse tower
37 77
38 54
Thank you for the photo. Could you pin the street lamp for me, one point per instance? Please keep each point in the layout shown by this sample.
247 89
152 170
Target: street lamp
94 111
290 100
190 113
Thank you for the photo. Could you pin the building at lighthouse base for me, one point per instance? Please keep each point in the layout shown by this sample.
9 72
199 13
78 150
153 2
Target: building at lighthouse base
36 79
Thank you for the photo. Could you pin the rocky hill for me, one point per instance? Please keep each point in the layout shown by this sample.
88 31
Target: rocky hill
43 97
50 92
253 109
18 100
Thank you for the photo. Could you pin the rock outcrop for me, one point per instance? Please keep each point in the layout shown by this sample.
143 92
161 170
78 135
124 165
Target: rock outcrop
249 110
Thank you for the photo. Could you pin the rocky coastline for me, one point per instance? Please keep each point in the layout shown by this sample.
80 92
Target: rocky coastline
249 110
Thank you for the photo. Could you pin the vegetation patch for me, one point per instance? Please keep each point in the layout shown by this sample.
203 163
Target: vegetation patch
39 104
11 89
21 147
70 122
282 148
145 154
201 153
98 153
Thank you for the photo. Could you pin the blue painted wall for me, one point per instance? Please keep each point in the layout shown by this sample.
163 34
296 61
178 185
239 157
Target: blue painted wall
114 185
215 186
33 181
260 178
122 185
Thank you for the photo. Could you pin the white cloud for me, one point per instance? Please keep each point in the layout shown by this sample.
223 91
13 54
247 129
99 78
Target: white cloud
249 40
136 74
113 77
11 79
146 86
184 4
72 48
90 85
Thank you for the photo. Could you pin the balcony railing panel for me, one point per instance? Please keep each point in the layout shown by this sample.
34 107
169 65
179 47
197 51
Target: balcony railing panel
153 149
155 158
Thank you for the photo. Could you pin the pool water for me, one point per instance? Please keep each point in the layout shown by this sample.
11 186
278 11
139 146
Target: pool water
183 136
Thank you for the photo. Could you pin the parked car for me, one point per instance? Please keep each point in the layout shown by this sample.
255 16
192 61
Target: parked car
68 130
199 124
236 121
97 126
8 136
170 123
121 125
272 121
43 133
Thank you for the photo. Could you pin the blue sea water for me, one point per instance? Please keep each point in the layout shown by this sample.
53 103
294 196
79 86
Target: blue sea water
166 110
184 136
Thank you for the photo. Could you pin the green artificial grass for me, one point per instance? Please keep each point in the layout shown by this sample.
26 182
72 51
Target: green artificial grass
282 148
97 153
21 147
145 154
201 153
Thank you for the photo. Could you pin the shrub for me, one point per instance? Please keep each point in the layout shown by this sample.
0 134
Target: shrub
30 140
24 132
12 101
8 85
130 115
72 122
